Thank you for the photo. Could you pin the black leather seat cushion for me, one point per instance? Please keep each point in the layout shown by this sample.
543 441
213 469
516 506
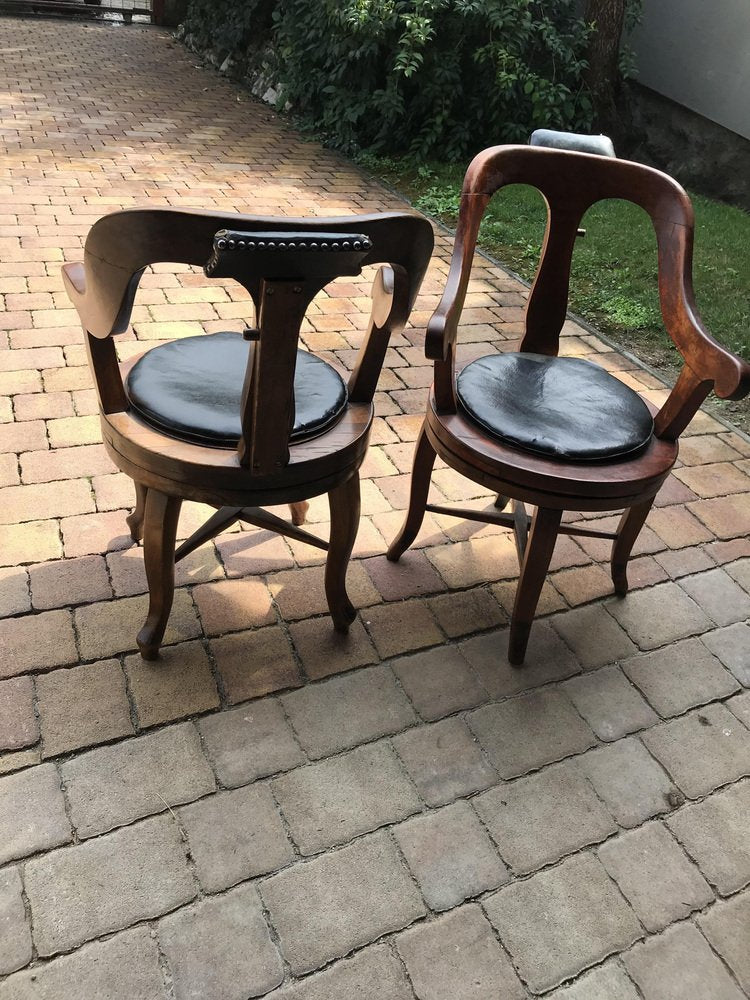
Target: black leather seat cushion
564 408
191 389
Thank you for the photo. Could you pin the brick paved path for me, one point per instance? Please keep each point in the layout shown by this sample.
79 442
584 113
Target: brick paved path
235 820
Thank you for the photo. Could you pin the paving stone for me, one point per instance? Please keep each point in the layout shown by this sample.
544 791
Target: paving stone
703 750
593 636
15 598
343 711
633 786
458 956
681 562
324 651
128 573
18 724
537 820
372 974
740 706
250 742
401 627
611 706
33 541
468 611
676 526
253 552
324 908
718 595
111 626
110 786
15 932
679 964
439 682
547 659
252 664
582 584
143 867
124 967
235 835
478 560
740 572
69 581
444 761
550 599
231 605
336 800
179 683
450 855
726 517
523 734
658 615
412 576
560 921
732 646
608 982
679 677
32 813
221 948
714 834
726 927
36 642
299 593
655 876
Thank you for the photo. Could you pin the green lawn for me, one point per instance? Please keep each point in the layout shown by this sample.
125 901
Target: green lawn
614 265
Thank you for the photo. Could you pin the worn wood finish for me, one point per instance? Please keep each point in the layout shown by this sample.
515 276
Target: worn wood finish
570 183
265 469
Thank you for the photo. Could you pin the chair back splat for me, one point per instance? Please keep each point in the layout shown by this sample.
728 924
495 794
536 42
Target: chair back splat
562 433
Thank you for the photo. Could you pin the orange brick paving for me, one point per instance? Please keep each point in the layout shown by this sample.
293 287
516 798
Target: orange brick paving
273 810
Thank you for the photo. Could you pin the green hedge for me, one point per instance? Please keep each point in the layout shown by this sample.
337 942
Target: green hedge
438 78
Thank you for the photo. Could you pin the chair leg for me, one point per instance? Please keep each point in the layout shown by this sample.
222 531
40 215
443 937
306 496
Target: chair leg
536 559
628 530
421 473
299 512
344 502
134 520
160 531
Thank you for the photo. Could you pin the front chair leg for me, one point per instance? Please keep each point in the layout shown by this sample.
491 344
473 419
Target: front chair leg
421 473
160 530
134 520
628 530
344 502
536 560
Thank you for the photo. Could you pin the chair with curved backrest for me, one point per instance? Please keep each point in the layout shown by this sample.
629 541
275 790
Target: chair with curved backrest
240 422
561 433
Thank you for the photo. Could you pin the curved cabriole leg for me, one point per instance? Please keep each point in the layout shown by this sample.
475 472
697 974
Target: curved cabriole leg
536 559
135 519
628 530
299 512
160 531
421 473
344 502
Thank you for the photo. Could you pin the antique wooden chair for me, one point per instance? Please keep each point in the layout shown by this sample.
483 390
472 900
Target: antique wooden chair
240 422
562 433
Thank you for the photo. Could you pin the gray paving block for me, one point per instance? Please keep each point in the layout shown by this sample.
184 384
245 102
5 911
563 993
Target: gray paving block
658 615
32 813
15 932
79 893
679 964
124 967
250 742
732 646
561 921
719 596
450 855
439 682
458 956
727 927
526 732
235 835
611 706
703 750
221 948
537 820
680 677
372 974
444 760
608 982
592 634
114 785
629 780
334 800
324 908
655 876
341 712
740 706
714 833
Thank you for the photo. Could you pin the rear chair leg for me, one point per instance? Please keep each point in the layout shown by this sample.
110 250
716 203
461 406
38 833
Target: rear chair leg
628 530
344 502
160 530
421 473
536 559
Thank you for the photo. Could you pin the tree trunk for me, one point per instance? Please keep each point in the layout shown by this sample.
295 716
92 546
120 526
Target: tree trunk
603 76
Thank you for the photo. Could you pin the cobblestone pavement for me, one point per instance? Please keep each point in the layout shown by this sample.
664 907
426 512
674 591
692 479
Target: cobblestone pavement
273 810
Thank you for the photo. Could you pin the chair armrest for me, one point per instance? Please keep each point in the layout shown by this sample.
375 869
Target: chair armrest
390 311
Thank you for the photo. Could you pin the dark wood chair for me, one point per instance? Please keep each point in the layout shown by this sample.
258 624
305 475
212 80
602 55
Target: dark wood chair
561 433
241 422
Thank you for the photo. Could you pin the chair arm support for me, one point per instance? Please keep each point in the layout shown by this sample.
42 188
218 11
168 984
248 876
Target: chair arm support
390 311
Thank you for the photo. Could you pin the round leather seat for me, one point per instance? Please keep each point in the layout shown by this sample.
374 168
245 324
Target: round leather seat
564 408
191 389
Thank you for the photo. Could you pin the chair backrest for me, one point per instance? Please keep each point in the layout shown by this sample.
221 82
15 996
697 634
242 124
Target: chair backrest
570 183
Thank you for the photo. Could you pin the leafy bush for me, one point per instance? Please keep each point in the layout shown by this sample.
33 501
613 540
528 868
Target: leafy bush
426 77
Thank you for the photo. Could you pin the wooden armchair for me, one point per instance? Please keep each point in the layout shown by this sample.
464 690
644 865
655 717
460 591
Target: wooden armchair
561 433
240 422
